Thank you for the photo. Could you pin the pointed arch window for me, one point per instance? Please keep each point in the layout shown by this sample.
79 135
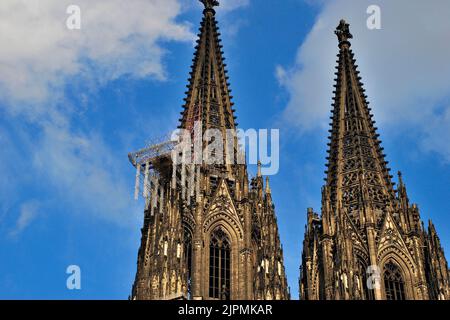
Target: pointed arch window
393 282
219 265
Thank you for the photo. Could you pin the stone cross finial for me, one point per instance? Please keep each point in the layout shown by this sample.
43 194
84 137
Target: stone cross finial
210 4
343 31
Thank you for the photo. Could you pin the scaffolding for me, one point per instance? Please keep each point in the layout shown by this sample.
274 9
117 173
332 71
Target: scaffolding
155 161
151 153
157 172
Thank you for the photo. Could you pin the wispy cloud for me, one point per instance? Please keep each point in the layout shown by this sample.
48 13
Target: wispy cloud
404 67
40 59
40 54
28 212
230 5
83 170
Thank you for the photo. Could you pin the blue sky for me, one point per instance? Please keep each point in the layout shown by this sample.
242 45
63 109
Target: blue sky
74 103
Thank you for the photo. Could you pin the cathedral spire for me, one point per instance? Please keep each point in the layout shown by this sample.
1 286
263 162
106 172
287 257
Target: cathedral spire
198 212
357 174
208 98
364 222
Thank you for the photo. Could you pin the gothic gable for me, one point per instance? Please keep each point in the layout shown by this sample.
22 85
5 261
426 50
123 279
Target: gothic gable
391 240
359 243
222 208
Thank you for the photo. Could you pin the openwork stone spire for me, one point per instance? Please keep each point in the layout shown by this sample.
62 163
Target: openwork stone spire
208 232
208 98
357 174
366 227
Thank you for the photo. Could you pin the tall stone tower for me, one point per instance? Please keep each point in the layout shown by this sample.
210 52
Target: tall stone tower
369 242
208 232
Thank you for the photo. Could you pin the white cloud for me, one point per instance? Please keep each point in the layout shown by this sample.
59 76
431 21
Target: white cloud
84 171
404 67
230 5
28 213
437 133
40 54
8 166
39 59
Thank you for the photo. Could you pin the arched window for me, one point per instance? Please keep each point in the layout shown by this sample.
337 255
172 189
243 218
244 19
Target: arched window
188 259
393 282
219 265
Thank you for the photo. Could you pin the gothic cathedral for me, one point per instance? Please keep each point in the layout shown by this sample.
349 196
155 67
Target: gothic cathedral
369 242
208 232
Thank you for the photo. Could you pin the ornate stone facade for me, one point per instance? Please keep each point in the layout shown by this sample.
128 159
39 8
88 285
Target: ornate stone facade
368 232
219 239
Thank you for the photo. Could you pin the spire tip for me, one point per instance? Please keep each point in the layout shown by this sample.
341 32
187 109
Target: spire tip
343 32
210 4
